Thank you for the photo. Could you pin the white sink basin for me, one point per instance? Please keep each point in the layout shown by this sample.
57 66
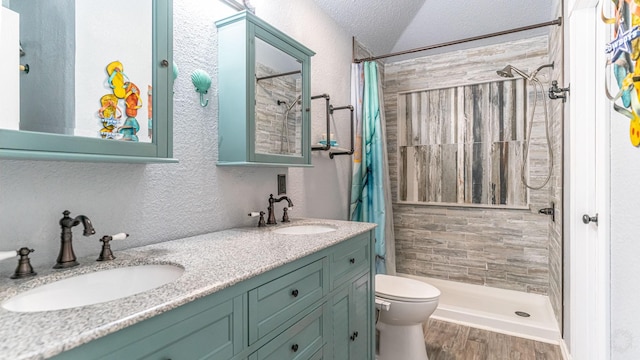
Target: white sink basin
305 229
93 288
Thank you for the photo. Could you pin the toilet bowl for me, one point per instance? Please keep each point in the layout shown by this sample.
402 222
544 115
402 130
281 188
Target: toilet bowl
404 305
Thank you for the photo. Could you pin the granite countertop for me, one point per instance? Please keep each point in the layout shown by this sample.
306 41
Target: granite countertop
212 262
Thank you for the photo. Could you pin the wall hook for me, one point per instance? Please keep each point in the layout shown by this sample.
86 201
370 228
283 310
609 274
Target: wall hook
202 81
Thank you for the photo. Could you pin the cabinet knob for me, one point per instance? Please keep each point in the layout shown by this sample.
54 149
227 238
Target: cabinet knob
352 260
294 293
294 347
354 336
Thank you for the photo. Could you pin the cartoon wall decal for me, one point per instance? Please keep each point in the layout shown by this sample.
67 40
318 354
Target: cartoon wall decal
128 93
623 63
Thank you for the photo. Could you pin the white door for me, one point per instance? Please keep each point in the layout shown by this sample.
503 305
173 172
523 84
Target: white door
586 300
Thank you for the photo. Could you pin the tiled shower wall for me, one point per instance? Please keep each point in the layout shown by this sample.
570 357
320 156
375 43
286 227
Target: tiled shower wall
556 110
274 133
499 247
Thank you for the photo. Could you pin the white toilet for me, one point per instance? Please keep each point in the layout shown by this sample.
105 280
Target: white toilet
404 306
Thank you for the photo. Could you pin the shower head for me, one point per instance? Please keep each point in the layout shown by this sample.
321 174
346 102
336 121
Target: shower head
290 106
508 71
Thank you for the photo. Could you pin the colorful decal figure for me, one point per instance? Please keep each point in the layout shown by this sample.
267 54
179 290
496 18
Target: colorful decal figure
623 63
110 113
133 102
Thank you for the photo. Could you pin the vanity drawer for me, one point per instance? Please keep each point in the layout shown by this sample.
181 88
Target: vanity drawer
302 341
349 259
275 302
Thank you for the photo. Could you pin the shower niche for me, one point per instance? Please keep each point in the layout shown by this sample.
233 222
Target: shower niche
263 95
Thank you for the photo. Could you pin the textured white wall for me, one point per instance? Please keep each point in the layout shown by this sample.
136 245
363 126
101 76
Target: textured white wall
160 202
322 190
625 247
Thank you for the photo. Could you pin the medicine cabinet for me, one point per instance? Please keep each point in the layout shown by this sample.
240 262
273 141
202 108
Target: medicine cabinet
91 94
263 95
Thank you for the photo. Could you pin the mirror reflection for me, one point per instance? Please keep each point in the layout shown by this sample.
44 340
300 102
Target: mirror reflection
90 73
278 105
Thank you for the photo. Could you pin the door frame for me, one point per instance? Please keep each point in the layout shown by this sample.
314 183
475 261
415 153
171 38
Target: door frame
586 173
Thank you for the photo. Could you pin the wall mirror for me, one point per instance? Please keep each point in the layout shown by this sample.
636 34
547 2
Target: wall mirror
95 90
263 95
278 109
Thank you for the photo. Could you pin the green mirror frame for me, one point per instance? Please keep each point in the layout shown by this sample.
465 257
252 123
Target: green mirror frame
237 90
28 145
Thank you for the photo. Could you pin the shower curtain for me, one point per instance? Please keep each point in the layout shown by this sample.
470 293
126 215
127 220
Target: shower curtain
370 189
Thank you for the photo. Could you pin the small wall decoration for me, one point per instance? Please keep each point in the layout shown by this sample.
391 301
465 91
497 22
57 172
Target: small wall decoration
624 51
110 113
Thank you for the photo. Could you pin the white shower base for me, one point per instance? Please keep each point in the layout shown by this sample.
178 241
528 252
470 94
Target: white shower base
494 309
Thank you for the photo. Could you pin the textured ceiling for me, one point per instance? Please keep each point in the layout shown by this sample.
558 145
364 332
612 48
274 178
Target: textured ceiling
385 26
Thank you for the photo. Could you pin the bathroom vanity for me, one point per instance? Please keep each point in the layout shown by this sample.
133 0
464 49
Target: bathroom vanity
249 293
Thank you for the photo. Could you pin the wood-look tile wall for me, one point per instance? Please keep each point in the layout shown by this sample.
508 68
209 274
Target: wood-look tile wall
505 248
463 144
274 133
556 110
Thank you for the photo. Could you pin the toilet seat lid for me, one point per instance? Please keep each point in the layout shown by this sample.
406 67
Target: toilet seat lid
401 288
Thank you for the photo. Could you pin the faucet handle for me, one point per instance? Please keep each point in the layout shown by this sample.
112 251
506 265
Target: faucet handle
119 236
261 221
24 268
8 254
106 253
285 215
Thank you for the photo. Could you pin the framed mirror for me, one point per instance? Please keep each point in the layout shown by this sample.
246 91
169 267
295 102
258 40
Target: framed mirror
263 95
95 90
278 110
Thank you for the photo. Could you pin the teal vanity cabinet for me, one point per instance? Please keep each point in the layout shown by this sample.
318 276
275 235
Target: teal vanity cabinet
263 95
351 305
317 307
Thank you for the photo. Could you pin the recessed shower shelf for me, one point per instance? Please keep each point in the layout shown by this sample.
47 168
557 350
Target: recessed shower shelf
327 146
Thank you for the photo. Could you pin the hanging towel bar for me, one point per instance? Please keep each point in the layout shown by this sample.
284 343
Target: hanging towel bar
328 112
332 109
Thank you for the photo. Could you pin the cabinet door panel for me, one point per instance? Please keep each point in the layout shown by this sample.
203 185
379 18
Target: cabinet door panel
340 311
360 319
208 335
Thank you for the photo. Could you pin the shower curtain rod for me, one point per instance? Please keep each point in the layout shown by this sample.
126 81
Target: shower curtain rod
557 21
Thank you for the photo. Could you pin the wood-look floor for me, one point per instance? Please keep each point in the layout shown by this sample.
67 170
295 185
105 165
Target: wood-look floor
449 341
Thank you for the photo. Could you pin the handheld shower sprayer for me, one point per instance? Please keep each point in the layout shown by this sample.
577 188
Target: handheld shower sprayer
507 72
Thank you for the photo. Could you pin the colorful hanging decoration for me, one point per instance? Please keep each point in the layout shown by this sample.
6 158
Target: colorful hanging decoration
110 113
624 51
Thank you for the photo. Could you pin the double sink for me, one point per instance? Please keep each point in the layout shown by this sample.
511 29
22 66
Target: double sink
112 284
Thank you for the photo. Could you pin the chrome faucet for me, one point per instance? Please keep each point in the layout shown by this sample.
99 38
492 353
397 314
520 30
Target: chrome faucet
66 257
271 220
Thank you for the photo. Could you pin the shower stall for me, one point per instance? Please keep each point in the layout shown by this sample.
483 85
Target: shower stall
460 141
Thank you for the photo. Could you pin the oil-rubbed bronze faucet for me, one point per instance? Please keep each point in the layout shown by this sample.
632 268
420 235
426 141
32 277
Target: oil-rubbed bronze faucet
271 220
66 257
